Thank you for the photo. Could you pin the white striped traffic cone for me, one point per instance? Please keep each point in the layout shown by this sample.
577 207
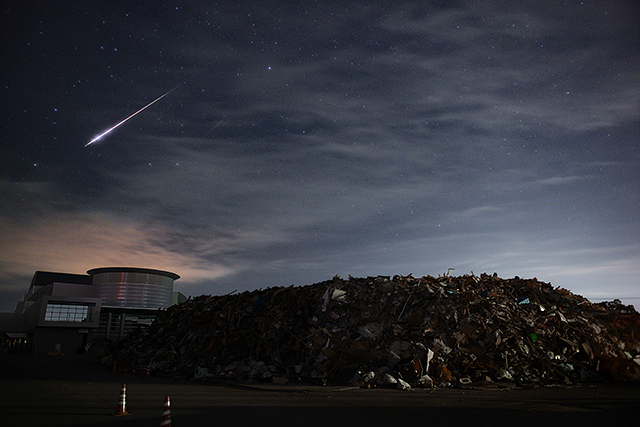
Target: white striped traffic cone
122 405
166 413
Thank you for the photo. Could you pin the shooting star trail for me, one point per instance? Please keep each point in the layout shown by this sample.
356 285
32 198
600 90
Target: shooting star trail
212 129
98 137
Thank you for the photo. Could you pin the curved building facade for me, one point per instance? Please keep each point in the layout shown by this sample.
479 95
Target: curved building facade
133 287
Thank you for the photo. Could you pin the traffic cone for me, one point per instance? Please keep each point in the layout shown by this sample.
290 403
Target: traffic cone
166 413
122 406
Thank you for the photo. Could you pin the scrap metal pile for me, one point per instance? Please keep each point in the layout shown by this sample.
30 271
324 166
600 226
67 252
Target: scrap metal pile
400 332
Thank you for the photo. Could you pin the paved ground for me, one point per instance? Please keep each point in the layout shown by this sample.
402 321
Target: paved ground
74 391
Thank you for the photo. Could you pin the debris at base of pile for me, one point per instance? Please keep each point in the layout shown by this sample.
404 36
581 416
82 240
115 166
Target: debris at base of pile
400 332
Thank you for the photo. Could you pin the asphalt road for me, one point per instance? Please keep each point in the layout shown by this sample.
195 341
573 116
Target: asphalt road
75 391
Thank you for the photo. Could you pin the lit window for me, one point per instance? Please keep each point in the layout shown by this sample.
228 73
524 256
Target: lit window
66 313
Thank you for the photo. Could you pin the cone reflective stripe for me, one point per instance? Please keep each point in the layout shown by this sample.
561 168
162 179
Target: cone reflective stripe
166 413
122 405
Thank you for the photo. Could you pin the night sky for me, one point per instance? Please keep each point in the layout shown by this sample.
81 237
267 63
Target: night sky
304 140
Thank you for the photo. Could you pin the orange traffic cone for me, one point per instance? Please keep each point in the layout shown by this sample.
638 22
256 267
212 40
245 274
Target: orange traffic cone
122 406
166 413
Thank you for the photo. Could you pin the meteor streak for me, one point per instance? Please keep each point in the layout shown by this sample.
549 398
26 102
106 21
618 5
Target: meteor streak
213 128
96 138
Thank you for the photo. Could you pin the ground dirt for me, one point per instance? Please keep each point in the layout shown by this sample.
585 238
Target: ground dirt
77 391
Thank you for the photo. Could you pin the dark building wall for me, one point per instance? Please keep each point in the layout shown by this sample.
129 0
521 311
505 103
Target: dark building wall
65 309
59 341
71 334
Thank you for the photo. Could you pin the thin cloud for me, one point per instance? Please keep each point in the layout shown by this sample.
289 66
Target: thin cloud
80 241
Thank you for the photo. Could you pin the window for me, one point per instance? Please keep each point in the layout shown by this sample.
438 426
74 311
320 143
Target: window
66 313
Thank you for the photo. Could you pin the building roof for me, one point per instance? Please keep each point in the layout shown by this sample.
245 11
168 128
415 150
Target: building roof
100 270
43 278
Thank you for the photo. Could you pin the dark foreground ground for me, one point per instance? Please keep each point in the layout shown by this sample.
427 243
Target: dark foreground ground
75 391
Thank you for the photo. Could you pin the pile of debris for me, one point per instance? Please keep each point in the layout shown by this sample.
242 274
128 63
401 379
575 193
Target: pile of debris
401 332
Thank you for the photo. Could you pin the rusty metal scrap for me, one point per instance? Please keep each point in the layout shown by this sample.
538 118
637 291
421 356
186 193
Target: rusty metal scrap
401 332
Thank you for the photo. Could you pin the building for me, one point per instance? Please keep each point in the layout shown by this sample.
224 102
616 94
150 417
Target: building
65 313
